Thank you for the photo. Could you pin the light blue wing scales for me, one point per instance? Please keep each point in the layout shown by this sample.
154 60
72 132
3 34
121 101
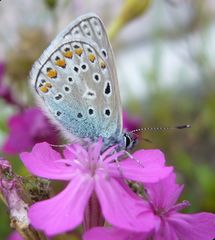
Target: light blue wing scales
91 27
75 86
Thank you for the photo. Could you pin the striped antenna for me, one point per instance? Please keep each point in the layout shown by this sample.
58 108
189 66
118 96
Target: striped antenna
161 128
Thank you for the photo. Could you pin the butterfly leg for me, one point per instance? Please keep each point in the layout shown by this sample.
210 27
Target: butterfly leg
135 159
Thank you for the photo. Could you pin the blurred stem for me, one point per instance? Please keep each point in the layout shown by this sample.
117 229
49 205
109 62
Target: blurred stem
131 9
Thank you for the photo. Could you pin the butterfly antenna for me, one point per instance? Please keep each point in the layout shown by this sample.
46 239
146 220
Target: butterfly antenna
144 139
161 128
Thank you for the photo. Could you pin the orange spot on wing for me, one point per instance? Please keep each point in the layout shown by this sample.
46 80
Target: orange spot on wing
102 64
52 73
48 85
60 63
79 51
44 89
68 54
91 57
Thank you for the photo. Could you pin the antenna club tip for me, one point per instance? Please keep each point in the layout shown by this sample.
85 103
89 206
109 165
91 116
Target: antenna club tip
184 126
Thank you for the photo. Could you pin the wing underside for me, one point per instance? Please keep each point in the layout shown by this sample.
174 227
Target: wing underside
76 83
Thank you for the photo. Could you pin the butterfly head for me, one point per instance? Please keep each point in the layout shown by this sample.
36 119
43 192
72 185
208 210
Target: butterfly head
129 140
123 141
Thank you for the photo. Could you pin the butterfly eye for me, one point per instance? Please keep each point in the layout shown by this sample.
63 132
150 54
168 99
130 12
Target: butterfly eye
127 141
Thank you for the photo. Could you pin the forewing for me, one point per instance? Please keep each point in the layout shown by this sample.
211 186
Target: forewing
90 26
75 84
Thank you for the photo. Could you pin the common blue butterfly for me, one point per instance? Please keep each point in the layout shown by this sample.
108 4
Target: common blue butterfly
75 81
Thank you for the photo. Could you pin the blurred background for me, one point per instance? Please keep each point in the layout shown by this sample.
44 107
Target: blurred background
164 53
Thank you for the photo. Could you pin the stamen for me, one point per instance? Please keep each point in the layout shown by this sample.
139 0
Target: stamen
118 167
178 206
113 157
109 151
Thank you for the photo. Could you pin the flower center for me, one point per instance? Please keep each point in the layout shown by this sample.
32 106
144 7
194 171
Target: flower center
161 212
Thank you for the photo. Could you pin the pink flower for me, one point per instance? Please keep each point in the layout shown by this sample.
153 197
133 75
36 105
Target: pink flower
14 236
90 172
26 129
169 224
5 91
130 122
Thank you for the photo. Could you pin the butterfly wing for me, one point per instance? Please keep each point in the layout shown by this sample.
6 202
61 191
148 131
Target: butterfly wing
74 84
75 81
90 26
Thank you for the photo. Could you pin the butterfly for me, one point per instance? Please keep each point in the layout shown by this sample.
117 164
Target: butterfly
75 83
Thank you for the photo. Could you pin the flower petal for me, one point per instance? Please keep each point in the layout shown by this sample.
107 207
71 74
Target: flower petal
14 236
43 161
164 193
164 232
199 226
64 211
111 233
149 157
120 209
26 129
74 150
132 170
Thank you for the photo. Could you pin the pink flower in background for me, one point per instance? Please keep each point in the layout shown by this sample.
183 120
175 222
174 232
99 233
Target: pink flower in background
14 236
26 129
5 92
131 122
169 224
91 172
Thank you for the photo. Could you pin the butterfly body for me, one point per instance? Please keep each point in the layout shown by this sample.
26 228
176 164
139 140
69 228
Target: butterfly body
76 83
